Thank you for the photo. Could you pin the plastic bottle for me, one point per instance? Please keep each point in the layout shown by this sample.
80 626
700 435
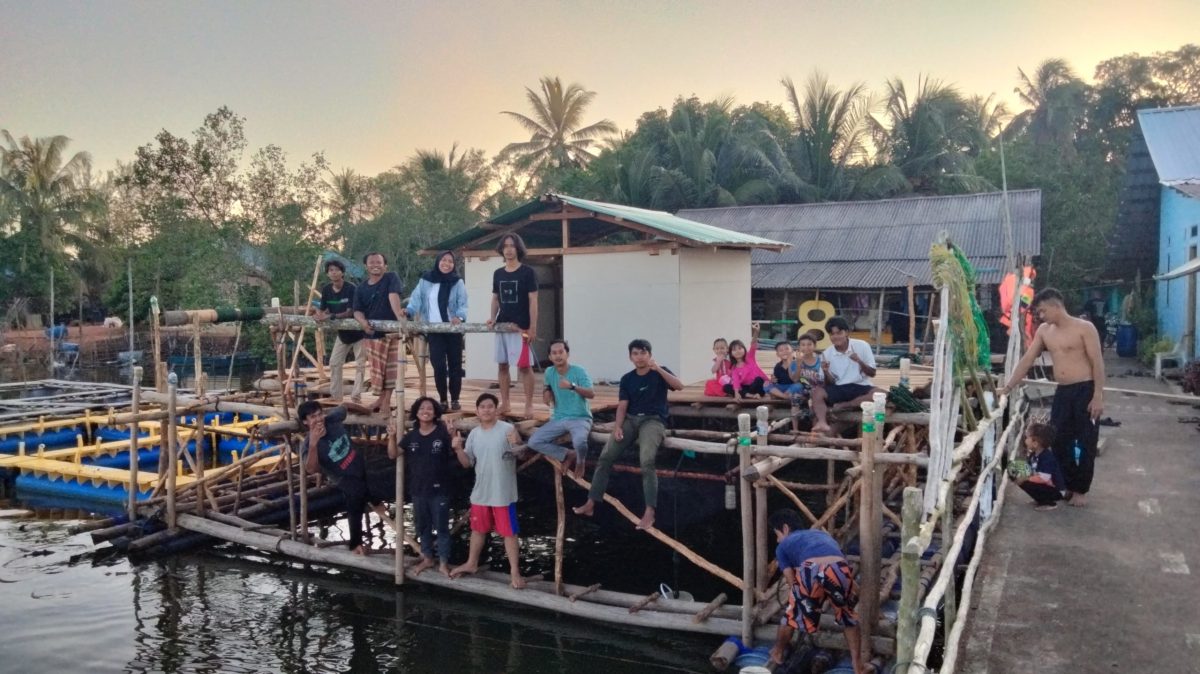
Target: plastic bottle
1078 452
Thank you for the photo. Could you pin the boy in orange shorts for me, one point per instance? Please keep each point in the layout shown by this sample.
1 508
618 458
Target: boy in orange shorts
489 448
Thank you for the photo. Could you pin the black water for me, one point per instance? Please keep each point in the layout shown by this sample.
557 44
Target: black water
69 606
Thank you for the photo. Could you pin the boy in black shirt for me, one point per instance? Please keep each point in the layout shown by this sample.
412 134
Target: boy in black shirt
514 300
333 453
641 417
428 459
337 301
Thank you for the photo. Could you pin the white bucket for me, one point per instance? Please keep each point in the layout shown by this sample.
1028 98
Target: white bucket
754 669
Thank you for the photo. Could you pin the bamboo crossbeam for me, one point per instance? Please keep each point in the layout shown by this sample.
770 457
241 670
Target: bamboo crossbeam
928 623
409 327
793 498
710 608
675 545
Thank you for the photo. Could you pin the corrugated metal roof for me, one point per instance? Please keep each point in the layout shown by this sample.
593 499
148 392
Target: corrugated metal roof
1190 189
671 226
879 244
1173 135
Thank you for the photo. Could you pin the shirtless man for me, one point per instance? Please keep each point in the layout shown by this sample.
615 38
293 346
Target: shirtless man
1074 345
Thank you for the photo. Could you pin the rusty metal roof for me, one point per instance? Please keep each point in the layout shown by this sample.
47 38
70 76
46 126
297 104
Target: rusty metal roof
879 244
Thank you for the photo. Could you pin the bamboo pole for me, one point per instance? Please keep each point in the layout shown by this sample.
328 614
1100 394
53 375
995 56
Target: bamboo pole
879 331
804 510
950 601
393 440
160 375
304 537
910 575
912 318
761 532
197 359
868 530
198 468
133 441
560 530
291 494
747 512
172 452
710 608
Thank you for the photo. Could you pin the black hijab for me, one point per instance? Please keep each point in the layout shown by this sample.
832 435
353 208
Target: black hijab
445 282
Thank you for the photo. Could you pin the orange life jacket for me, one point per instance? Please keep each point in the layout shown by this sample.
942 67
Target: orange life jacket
1006 299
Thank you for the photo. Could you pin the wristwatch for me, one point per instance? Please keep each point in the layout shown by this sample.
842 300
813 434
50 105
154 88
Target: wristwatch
572 385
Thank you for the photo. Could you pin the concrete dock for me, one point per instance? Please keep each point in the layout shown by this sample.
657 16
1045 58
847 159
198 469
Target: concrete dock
1108 587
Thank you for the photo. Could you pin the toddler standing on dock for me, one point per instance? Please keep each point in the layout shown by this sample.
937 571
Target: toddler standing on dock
1045 483
489 448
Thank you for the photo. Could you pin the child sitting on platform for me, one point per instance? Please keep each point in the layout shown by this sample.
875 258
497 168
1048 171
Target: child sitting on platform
489 448
817 572
746 377
720 369
1044 483
334 454
795 376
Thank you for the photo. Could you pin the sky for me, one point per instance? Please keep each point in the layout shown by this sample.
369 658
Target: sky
368 83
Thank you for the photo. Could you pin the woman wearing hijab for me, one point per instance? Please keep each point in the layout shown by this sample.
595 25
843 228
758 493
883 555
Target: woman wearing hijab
441 297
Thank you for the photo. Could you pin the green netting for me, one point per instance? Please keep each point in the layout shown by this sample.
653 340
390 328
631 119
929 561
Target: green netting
968 331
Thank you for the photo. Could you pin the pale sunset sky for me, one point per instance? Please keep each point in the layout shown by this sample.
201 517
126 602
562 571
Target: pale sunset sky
370 82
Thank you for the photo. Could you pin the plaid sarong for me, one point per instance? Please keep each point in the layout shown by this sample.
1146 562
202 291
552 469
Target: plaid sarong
383 354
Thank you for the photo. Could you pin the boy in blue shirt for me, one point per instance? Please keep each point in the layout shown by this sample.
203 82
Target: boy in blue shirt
813 565
1045 483
568 390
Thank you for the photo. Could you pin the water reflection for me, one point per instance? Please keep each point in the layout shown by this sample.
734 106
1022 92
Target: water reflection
215 613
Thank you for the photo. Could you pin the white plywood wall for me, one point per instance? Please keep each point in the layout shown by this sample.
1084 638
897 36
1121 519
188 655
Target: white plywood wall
714 302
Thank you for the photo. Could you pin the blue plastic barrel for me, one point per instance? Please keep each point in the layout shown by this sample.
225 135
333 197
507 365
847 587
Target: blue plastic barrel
1127 339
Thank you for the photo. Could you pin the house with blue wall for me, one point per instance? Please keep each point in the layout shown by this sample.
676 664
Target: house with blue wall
1172 136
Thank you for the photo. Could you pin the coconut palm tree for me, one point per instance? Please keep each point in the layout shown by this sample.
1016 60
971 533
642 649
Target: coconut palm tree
987 118
558 137
1057 101
49 198
927 137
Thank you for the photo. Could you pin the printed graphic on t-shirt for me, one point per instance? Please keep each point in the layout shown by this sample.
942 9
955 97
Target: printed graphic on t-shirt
508 292
339 448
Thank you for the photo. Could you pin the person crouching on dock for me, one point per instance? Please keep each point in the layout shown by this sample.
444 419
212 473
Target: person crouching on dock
335 455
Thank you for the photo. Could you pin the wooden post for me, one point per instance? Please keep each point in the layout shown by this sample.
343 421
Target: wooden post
910 574
160 380
868 532
747 506
172 451
198 438
198 362
950 602
879 326
135 403
912 318
560 531
393 441
303 497
761 531
291 494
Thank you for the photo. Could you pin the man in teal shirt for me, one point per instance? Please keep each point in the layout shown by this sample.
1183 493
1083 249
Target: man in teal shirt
568 389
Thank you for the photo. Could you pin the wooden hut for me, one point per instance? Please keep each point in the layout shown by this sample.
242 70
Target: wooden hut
608 274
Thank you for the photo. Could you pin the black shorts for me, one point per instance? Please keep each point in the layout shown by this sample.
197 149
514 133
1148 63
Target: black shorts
841 393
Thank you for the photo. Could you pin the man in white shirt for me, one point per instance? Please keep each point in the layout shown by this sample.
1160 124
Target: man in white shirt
849 366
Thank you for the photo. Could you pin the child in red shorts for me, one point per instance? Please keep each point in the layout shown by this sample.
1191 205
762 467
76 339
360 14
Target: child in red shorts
489 448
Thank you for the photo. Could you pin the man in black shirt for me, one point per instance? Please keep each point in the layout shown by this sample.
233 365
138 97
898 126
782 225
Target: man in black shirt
514 300
378 299
641 417
328 448
337 301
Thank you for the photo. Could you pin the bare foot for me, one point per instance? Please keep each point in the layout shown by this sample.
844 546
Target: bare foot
586 509
503 409
518 583
647 520
425 563
444 568
822 429
1079 500
464 570
1044 508
359 551
529 411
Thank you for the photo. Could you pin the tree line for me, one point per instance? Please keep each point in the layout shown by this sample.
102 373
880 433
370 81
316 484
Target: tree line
206 222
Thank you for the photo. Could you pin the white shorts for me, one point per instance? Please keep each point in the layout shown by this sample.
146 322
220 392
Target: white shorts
509 346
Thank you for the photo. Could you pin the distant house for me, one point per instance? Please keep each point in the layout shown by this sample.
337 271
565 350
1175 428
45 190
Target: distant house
1172 137
859 256
608 274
